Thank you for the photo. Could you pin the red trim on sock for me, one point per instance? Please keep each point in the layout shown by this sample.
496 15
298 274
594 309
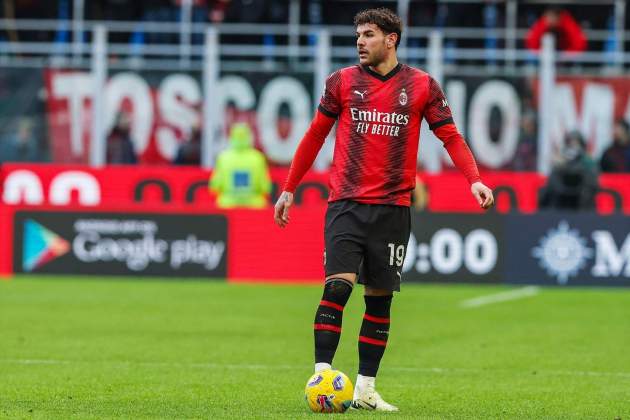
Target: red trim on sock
331 305
376 319
373 341
327 327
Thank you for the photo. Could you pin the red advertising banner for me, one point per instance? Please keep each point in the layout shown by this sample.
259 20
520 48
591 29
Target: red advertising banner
113 186
6 241
261 251
169 188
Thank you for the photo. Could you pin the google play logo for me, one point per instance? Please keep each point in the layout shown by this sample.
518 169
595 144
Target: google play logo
41 245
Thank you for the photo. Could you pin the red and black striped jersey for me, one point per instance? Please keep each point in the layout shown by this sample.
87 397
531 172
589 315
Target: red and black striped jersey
376 145
378 132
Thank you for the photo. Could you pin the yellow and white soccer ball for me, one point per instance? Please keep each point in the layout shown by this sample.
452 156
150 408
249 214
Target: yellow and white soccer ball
329 391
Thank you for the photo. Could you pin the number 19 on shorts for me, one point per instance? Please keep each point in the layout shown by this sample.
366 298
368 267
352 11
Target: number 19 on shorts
396 254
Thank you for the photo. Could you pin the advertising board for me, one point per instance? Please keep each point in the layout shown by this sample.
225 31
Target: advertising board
567 249
120 244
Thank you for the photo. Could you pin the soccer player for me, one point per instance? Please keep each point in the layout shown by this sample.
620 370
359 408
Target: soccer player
379 105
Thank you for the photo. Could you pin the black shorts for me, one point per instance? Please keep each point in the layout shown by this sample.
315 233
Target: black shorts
367 239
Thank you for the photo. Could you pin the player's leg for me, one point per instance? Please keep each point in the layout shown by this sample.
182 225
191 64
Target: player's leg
341 260
329 316
372 344
381 274
374 332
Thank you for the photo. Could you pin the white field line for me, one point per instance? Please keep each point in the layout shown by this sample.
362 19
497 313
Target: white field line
245 366
524 292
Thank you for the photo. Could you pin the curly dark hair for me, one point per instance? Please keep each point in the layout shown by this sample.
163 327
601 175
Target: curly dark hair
385 19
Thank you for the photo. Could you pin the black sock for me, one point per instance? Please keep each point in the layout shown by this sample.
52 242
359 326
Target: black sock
328 317
374 333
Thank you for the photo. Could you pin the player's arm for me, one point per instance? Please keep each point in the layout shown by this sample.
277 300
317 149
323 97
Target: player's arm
464 161
305 155
328 110
440 119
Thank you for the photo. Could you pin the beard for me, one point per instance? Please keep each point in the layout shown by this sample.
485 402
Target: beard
374 59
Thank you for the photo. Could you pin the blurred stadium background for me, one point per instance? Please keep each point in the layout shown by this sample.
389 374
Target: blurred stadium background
112 114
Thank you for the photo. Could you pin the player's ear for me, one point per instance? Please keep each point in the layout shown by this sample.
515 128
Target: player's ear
391 40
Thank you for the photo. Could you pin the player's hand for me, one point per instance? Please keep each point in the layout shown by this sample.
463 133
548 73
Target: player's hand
483 195
281 211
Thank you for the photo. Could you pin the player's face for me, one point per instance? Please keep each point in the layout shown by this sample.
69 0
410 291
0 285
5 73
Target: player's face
372 44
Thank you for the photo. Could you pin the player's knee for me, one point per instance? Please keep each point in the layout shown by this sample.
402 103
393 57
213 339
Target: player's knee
338 290
378 305
351 277
328 318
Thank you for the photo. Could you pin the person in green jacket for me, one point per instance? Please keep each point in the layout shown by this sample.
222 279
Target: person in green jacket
241 177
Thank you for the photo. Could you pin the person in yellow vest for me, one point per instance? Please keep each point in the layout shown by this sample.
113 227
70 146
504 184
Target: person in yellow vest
241 176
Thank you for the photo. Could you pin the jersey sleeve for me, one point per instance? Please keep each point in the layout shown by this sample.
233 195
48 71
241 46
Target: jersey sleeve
308 149
330 103
437 112
459 151
438 115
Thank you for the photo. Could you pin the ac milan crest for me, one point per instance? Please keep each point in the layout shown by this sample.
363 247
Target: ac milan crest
403 97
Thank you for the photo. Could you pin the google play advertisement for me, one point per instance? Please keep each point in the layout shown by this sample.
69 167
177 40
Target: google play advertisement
120 244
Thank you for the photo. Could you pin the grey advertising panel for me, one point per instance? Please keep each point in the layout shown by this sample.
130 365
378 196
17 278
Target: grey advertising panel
454 248
120 244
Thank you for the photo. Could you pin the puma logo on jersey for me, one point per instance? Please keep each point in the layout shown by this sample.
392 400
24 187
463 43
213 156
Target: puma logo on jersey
361 93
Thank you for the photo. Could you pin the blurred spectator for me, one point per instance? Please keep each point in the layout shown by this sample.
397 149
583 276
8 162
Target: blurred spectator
526 150
123 10
216 10
114 9
575 151
420 195
617 157
29 9
21 146
465 15
245 11
560 23
572 183
241 177
424 14
159 11
277 11
203 11
189 152
119 144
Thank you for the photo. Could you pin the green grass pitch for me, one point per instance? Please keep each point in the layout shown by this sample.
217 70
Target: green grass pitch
125 348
